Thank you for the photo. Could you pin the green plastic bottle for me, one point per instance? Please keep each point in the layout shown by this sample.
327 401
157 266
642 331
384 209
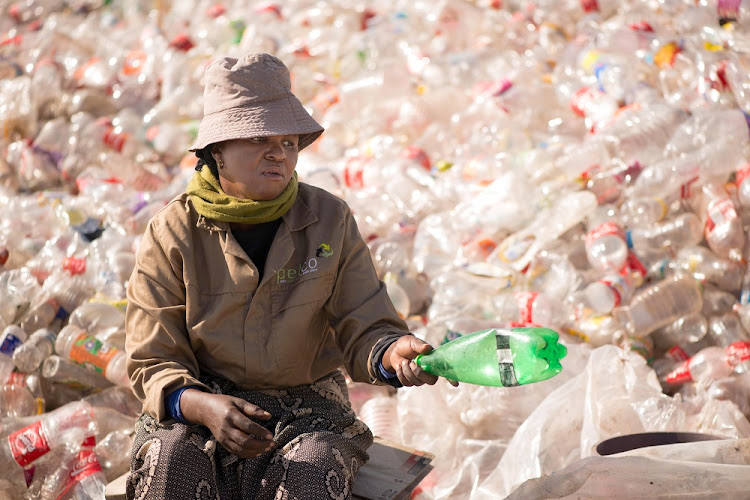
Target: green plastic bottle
498 357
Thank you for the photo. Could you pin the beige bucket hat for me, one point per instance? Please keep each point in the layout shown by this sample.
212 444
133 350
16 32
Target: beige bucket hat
252 97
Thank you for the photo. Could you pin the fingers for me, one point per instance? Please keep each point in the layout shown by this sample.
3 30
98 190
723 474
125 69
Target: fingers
410 374
245 445
248 426
251 410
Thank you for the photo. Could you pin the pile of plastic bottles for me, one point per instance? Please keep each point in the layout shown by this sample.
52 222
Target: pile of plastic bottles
577 165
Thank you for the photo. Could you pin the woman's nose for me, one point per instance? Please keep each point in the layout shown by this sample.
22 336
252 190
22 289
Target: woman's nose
275 152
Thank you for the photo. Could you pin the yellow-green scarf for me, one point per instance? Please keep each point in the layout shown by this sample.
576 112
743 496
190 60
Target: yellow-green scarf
213 203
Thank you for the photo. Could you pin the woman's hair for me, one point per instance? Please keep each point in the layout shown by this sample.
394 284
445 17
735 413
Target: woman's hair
206 158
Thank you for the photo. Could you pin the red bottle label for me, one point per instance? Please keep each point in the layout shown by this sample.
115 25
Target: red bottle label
28 444
606 229
681 374
720 211
739 351
74 265
85 465
677 353
742 173
525 301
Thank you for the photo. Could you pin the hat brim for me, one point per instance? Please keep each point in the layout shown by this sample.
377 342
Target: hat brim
284 116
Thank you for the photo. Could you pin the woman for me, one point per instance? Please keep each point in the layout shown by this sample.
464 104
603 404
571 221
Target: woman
249 292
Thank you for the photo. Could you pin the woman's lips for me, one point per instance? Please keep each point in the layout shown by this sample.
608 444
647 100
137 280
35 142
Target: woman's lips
273 174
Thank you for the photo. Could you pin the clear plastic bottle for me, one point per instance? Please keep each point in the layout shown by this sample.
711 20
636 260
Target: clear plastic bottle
610 291
660 304
727 331
381 416
519 248
100 319
17 401
29 355
528 308
683 230
62 371
682 338
72 422
397 295
11 338
706 265
716 301
707 365
86 480
117 398
79 346
609 185
724 232
606 247
40 316
113 452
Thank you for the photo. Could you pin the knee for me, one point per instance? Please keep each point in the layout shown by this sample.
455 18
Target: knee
169 462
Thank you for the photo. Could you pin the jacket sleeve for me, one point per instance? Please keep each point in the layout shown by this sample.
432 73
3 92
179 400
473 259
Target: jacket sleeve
360 311
159 356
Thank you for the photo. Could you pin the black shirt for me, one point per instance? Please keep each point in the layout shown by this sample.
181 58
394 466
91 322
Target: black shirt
256 242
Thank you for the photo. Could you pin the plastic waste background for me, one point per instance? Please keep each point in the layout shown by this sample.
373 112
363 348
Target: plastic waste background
576 165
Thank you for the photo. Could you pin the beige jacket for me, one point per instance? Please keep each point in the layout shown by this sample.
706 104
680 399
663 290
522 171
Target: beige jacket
195 305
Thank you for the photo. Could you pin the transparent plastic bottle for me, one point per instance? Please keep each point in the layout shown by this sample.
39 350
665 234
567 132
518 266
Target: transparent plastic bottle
727 331
660 304
706 265
86 480
381 416
63 371
11 338
528 308
610 291
113 453
79 346
682 230
17 401
102 320
606 247
682 338
119 399
716 301
519 248
609 185
72 422
41 316
644 211
29 355
708 364
497 357
724 232
397 295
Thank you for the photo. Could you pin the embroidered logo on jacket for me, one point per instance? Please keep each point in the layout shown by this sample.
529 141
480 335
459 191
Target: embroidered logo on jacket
294 273
324 250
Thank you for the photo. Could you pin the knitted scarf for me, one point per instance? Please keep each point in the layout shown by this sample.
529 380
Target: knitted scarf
213 203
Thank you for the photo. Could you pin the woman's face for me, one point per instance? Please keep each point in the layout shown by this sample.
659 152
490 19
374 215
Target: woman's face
258 168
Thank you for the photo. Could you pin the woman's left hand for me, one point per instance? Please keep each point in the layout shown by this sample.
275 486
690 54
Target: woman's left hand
399 359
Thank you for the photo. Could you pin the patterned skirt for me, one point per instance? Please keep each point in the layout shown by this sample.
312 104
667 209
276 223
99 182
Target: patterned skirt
319 446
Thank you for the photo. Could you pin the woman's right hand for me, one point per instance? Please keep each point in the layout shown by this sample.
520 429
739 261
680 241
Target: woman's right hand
229 420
